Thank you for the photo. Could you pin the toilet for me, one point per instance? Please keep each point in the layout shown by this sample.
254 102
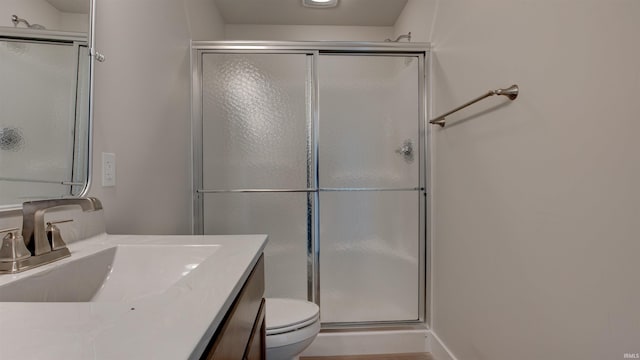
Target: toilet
292 325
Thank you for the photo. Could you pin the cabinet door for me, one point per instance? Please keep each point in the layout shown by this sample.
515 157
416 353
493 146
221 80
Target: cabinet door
257 344
232 338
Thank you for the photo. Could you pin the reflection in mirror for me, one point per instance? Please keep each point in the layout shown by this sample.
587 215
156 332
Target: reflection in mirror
44 99
53 15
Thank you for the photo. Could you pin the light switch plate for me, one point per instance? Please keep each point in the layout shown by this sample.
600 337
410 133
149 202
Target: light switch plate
108 169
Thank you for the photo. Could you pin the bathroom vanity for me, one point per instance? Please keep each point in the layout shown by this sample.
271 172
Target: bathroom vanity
139 297
242 333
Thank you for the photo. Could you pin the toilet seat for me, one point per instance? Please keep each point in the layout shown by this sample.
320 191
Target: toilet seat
286 315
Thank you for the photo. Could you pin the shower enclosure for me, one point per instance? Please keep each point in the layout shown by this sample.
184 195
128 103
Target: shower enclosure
321 146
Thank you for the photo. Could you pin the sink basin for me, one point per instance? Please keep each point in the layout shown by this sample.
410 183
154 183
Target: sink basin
158 297
120 273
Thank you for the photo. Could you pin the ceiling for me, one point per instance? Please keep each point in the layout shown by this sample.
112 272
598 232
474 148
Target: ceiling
291 12
71 6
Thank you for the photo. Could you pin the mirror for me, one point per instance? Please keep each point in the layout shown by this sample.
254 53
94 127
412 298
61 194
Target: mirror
45 91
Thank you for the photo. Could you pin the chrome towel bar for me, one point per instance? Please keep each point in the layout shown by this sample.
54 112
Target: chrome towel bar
310 190
59 182
511 92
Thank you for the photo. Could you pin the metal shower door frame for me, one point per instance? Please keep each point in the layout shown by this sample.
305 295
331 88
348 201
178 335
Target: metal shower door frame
313 50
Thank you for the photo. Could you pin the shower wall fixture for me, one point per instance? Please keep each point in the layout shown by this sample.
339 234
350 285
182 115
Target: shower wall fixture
406 36
16 20
511 92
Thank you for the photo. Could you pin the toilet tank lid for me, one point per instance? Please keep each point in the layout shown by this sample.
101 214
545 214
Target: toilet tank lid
283 313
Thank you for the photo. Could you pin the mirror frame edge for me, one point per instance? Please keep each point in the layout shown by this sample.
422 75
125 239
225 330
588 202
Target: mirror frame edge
92 53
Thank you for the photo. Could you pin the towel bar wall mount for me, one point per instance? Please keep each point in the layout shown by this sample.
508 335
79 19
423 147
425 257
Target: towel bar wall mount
511 92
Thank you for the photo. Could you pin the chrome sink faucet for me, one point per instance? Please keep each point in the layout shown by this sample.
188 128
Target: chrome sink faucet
33 224
35 247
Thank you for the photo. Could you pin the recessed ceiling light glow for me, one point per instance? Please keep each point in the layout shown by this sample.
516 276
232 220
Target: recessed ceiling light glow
320 3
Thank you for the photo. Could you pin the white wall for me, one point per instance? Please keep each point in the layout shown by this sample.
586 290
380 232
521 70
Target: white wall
536 202
205 22
142 114
417 17
307 32
74 22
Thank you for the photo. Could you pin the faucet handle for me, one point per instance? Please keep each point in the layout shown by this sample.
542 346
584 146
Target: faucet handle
54 236
12 247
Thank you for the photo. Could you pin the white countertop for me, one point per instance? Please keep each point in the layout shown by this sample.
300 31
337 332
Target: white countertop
174 325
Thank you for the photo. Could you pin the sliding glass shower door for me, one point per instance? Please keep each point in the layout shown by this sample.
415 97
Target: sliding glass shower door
255 146
369 188
322 151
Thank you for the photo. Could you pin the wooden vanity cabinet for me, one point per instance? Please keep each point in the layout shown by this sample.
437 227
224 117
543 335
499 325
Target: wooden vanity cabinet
242 332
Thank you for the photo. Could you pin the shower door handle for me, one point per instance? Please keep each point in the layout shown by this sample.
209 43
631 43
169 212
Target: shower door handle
406 150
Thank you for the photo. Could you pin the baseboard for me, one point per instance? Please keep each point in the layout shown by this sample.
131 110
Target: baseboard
369 342
379 342
438 349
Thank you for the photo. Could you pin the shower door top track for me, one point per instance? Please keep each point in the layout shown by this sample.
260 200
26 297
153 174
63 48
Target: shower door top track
312 46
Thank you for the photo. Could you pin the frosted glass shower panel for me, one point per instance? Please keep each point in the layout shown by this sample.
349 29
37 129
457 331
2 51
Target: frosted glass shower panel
255 129
369 267
283 216
369 108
